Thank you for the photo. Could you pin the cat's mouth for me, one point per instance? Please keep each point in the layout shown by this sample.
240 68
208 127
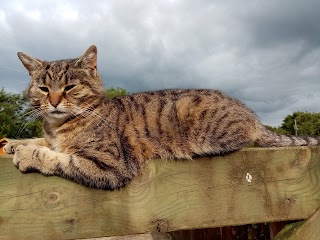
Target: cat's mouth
57 112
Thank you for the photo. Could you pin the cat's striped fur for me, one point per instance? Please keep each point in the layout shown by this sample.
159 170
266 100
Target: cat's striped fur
104 143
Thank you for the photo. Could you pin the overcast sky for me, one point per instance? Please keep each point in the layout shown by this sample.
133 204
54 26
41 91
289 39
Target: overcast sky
265 53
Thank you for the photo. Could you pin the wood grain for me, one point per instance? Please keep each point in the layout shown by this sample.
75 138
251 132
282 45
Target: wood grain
168 196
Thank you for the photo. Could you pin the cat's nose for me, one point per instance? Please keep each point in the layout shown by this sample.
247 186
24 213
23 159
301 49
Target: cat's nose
55 99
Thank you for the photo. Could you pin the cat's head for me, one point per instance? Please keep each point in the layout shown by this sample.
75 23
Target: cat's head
65 88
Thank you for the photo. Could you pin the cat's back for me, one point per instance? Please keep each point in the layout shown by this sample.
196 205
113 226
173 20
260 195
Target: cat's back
179 97
166 109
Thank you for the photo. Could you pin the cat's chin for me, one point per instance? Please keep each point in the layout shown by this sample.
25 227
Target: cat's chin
57 116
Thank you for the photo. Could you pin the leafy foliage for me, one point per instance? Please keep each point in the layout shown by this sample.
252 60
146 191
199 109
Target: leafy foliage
115 92
308 123
14 117
278 130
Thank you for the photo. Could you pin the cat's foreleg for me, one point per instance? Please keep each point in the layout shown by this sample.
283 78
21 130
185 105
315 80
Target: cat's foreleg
33 157
87 170
11 146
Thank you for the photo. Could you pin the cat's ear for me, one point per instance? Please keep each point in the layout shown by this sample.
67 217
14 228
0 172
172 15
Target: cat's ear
31 64
89 59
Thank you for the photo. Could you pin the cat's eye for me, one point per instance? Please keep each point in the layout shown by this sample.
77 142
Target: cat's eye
69 87
44 89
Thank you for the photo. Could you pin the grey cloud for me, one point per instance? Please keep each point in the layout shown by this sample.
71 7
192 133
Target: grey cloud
267 54
285 21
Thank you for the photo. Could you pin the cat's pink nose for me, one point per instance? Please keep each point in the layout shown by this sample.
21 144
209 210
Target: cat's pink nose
55 99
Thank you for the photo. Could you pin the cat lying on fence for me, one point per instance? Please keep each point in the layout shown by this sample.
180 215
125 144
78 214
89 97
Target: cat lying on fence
104 143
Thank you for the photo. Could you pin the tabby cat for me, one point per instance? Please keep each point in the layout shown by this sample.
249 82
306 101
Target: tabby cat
103 143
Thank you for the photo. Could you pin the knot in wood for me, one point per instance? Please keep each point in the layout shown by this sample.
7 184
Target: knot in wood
53 197
162 225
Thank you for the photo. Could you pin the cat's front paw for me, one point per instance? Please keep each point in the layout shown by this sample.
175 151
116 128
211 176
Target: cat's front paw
23 158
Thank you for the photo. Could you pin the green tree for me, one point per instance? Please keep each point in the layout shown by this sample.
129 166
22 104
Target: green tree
15 117
278 130
115 92
307 123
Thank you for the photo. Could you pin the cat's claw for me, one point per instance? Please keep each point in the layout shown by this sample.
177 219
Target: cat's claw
10 147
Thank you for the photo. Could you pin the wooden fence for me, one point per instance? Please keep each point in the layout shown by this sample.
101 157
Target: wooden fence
250 186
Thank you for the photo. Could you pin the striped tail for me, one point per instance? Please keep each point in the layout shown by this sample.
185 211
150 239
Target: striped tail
270 139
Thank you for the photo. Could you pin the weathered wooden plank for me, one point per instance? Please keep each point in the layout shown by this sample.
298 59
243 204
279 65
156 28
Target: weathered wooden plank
168 196
308 229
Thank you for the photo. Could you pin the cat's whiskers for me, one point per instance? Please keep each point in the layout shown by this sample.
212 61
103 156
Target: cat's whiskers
33 115
78 111
88 110
85 113
30 112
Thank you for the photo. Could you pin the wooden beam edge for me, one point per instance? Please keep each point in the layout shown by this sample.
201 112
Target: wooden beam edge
231 173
